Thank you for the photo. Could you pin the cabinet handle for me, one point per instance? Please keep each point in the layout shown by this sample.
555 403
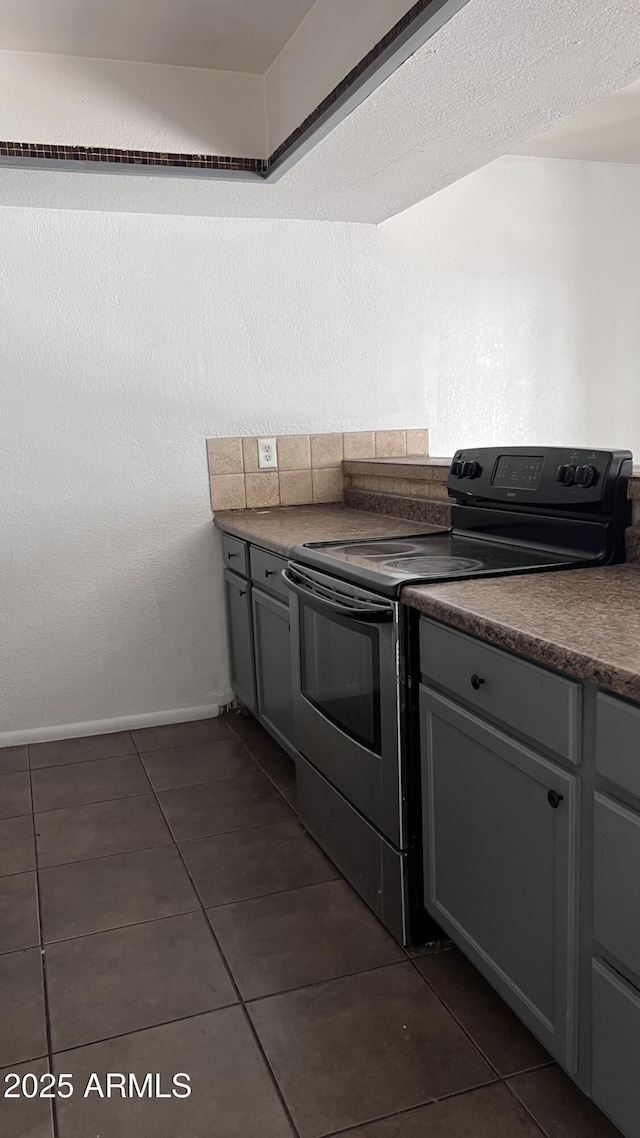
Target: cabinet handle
269 572
554 799
230 555
242 592
476 682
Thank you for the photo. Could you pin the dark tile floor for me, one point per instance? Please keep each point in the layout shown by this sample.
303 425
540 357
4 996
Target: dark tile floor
161 911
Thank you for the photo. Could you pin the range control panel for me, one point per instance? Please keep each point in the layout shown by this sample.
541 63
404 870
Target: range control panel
555 477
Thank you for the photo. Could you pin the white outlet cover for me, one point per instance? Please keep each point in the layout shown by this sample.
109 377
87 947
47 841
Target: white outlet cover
267 454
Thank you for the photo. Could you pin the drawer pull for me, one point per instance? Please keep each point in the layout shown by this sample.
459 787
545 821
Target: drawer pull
554 799
476 682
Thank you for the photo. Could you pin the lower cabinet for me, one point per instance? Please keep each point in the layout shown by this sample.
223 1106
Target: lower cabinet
273 665
239 627
500 848
616 1047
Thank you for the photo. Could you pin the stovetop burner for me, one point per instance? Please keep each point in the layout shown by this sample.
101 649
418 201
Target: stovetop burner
433 566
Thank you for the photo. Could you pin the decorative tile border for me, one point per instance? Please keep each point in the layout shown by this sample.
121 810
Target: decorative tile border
310 467
131 157
258 166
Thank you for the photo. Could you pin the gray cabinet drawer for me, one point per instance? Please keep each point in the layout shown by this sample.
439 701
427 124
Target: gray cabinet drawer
616 874
618 742
529 700
616 1048
266 571
235 554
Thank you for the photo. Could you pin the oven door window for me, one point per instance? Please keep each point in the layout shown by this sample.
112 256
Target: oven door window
340 666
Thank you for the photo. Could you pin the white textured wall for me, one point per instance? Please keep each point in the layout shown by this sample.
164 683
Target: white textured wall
126 341
329 42
71 101
512 300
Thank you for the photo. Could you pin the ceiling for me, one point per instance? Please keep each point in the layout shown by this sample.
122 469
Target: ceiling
607 131
227 35
494 76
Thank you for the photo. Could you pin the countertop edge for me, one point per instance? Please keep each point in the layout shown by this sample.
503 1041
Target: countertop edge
568 661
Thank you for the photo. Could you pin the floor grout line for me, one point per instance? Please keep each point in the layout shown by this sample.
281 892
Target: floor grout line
144 849
43 958
128 925
133 754
525 1107
94 802
232 979
454 1017
147 1027
83 762
272 892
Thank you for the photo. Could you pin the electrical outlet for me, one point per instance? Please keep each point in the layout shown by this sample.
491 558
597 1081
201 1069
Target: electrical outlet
267 454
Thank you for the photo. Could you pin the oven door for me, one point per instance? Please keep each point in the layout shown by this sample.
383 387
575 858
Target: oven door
345 691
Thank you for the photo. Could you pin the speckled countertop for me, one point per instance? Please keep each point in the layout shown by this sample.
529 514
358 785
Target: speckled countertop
282 527
584 622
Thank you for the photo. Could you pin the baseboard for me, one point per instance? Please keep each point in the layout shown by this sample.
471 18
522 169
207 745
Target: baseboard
107 726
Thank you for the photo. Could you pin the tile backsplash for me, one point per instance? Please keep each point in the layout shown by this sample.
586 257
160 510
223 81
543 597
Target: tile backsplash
309 466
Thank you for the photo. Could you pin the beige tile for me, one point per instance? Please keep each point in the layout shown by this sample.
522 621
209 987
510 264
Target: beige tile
417 442
391 444
326 450
250 455
420 489
359 444
227 492
371 483
328 485
262 489
295 487
438 490
294 452
434 491
402 486
225 456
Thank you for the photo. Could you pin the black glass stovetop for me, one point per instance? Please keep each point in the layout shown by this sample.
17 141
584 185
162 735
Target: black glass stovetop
387 565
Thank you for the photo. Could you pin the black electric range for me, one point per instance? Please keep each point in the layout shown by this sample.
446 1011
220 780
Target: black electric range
354 647
520 510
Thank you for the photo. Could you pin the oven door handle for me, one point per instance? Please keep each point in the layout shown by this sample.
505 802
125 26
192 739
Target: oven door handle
374 614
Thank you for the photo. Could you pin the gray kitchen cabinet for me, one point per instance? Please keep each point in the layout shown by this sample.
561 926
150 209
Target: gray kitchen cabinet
259 636
271 640
616 881
616 1048
240 633
500 852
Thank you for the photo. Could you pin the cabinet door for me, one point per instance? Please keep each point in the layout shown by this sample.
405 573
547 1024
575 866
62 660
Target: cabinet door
273 665
500 855
238 602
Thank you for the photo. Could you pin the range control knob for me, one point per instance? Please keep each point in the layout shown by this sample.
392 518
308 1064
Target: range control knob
586 475
456 469
567 474
473 469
